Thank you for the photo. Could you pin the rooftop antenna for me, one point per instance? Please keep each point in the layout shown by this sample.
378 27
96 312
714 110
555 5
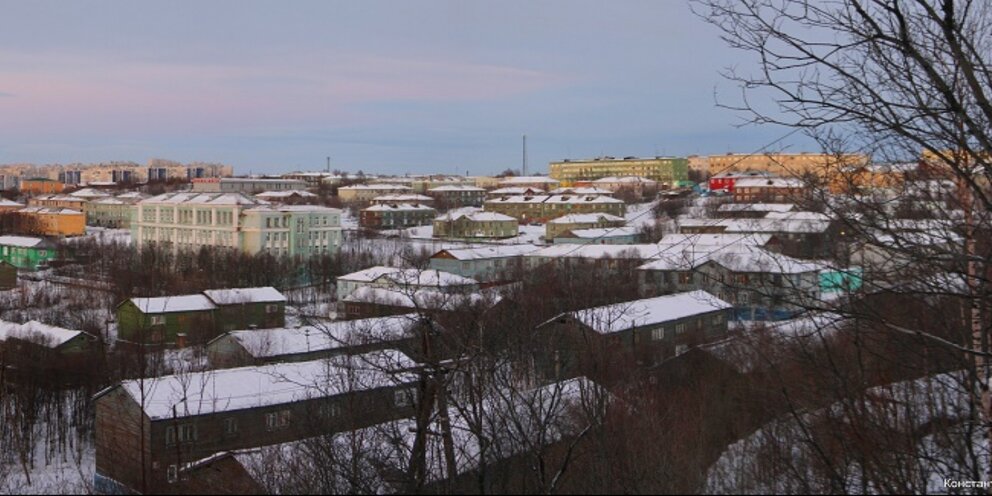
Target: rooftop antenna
328 164
525 155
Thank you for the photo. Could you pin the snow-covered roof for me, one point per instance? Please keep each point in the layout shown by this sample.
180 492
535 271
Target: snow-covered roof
476 217
203 198
585 219
515 191
38 333
528 180
169 304
50 211
7 203
747 258
267 343
756 207
442 189
285 194
398 207
649 311
583 199
226 390
761 225
430 299
411 277
133 195
403 198
368 275
625 180
376 187
717 240
591 251
579 191
496 251
311 209
22 241
89 193
799 215
109 201
604 232
769 182
234 296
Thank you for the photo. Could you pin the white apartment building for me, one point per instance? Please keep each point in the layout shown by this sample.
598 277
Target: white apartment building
188 221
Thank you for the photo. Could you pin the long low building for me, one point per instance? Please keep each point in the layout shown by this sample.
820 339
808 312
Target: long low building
148 430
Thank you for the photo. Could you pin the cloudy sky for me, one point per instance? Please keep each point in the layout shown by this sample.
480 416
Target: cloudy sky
390 86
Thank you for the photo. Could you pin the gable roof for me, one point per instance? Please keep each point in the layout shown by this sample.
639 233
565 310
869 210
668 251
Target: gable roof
235 296
325 336
649 311
170 304
496 251
214 391
39 333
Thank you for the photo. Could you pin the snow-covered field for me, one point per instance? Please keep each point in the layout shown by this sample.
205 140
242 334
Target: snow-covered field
104 235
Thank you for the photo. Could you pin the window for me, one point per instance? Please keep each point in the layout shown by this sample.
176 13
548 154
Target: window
680 349
718 319
170 436
743 297
158 319
403 397
658 334
172 474
330 410
187 433
230 426
271 308
277 420
685 277
679 328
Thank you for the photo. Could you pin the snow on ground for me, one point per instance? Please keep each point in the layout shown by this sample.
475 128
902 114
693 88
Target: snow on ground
69 474
640 214
785 456
53 304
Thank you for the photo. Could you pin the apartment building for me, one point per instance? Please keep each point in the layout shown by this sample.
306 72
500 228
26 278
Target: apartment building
667 171
189 221
543 207
459 196
785 164
366 192
51 221
478 225
249 186
396 216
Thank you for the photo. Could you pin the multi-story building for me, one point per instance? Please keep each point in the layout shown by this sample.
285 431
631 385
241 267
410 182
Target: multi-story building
113 212
487 264
162 170
459 196
51 221
188 221
247 185
543 207
396 216
667 171
9 181
41 186
366 192
58 201
631 185
477 225
768 190
785 164
9 206
627 235
555 227
759 283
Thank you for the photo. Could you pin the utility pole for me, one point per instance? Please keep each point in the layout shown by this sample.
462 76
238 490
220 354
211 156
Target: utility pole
525 156
328 164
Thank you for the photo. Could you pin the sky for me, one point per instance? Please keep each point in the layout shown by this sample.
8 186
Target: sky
382 86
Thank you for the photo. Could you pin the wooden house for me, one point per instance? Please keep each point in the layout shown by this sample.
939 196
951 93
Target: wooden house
8 276
149 430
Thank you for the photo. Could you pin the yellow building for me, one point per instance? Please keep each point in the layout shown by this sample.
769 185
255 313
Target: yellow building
666 170
48 221
785 164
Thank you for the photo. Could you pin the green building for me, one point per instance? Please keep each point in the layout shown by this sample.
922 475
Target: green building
668 171
26 252
198 318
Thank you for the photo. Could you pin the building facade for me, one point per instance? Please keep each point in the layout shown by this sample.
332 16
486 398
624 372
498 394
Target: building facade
544 207
478 225
571 222
396 216
25 252
51 221
459 196
784 164
188 221
667 171
249 186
